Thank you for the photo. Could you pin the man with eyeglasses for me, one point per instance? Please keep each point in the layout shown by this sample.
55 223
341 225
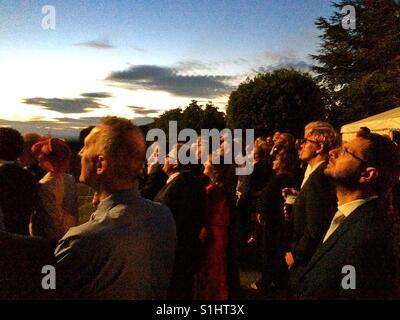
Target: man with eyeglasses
355 260
315 203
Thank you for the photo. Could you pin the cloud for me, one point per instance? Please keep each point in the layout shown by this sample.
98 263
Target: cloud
79 124
239 61
283 60
142 121
96 44
65 105
193 65
40 123
144 111
62 127
151 77
82 122
94 121
97 95
44 127
137 48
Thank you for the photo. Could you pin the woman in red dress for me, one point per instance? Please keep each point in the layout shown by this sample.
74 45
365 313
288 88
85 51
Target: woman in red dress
211 280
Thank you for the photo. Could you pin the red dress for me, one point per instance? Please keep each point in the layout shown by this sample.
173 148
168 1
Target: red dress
211 280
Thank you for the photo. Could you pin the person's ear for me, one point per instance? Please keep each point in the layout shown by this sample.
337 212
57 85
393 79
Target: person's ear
368 175
101 164
175 167
320 148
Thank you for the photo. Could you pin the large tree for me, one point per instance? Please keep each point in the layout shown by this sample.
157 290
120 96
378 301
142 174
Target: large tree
360 67
194 116
284 99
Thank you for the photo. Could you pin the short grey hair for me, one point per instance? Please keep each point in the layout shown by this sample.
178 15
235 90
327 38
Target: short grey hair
124 144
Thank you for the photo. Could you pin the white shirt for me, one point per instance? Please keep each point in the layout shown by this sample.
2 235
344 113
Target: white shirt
349 207
6 162
172 177
309 171
343 212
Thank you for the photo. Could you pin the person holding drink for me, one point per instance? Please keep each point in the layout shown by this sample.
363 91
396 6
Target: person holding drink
315 203
277 235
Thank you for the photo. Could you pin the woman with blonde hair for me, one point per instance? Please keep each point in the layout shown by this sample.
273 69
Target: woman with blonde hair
57 191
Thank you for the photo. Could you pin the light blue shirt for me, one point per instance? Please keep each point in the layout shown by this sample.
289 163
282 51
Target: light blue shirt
125 251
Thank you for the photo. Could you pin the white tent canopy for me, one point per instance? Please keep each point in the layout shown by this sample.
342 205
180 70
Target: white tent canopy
382 123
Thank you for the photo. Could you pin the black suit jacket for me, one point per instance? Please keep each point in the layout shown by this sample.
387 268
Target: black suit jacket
21 261
18 197
155 181
361 241
186 198
312 213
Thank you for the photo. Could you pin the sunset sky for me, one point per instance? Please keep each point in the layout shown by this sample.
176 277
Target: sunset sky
138 58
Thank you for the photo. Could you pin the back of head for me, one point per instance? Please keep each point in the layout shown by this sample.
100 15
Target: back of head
324 133
223 176
286 141
275 136
83 134
384 155
289 160
53 154
260 148
11 144
27 159
124 144
363 130
31 138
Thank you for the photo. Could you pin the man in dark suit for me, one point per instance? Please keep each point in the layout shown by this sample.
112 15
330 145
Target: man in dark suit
316 201
355 260
17 186
185 196
155 180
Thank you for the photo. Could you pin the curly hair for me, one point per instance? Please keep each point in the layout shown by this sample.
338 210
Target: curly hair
53 154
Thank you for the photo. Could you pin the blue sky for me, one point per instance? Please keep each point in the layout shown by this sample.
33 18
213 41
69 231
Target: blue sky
138 58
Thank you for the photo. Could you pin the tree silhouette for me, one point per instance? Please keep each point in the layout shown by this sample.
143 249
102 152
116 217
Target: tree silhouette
284 99
360 68
194 116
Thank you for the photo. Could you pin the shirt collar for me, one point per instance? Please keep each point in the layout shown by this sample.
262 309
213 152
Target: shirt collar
309 171
349 207
6 162
316 166
120 197
172 177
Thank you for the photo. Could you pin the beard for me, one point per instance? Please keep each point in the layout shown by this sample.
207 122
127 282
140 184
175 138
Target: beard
348 180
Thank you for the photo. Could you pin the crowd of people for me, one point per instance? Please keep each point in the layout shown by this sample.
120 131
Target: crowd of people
313 207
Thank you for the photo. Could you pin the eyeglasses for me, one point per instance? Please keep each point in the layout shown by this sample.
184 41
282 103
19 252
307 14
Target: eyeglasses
343 150
304 140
